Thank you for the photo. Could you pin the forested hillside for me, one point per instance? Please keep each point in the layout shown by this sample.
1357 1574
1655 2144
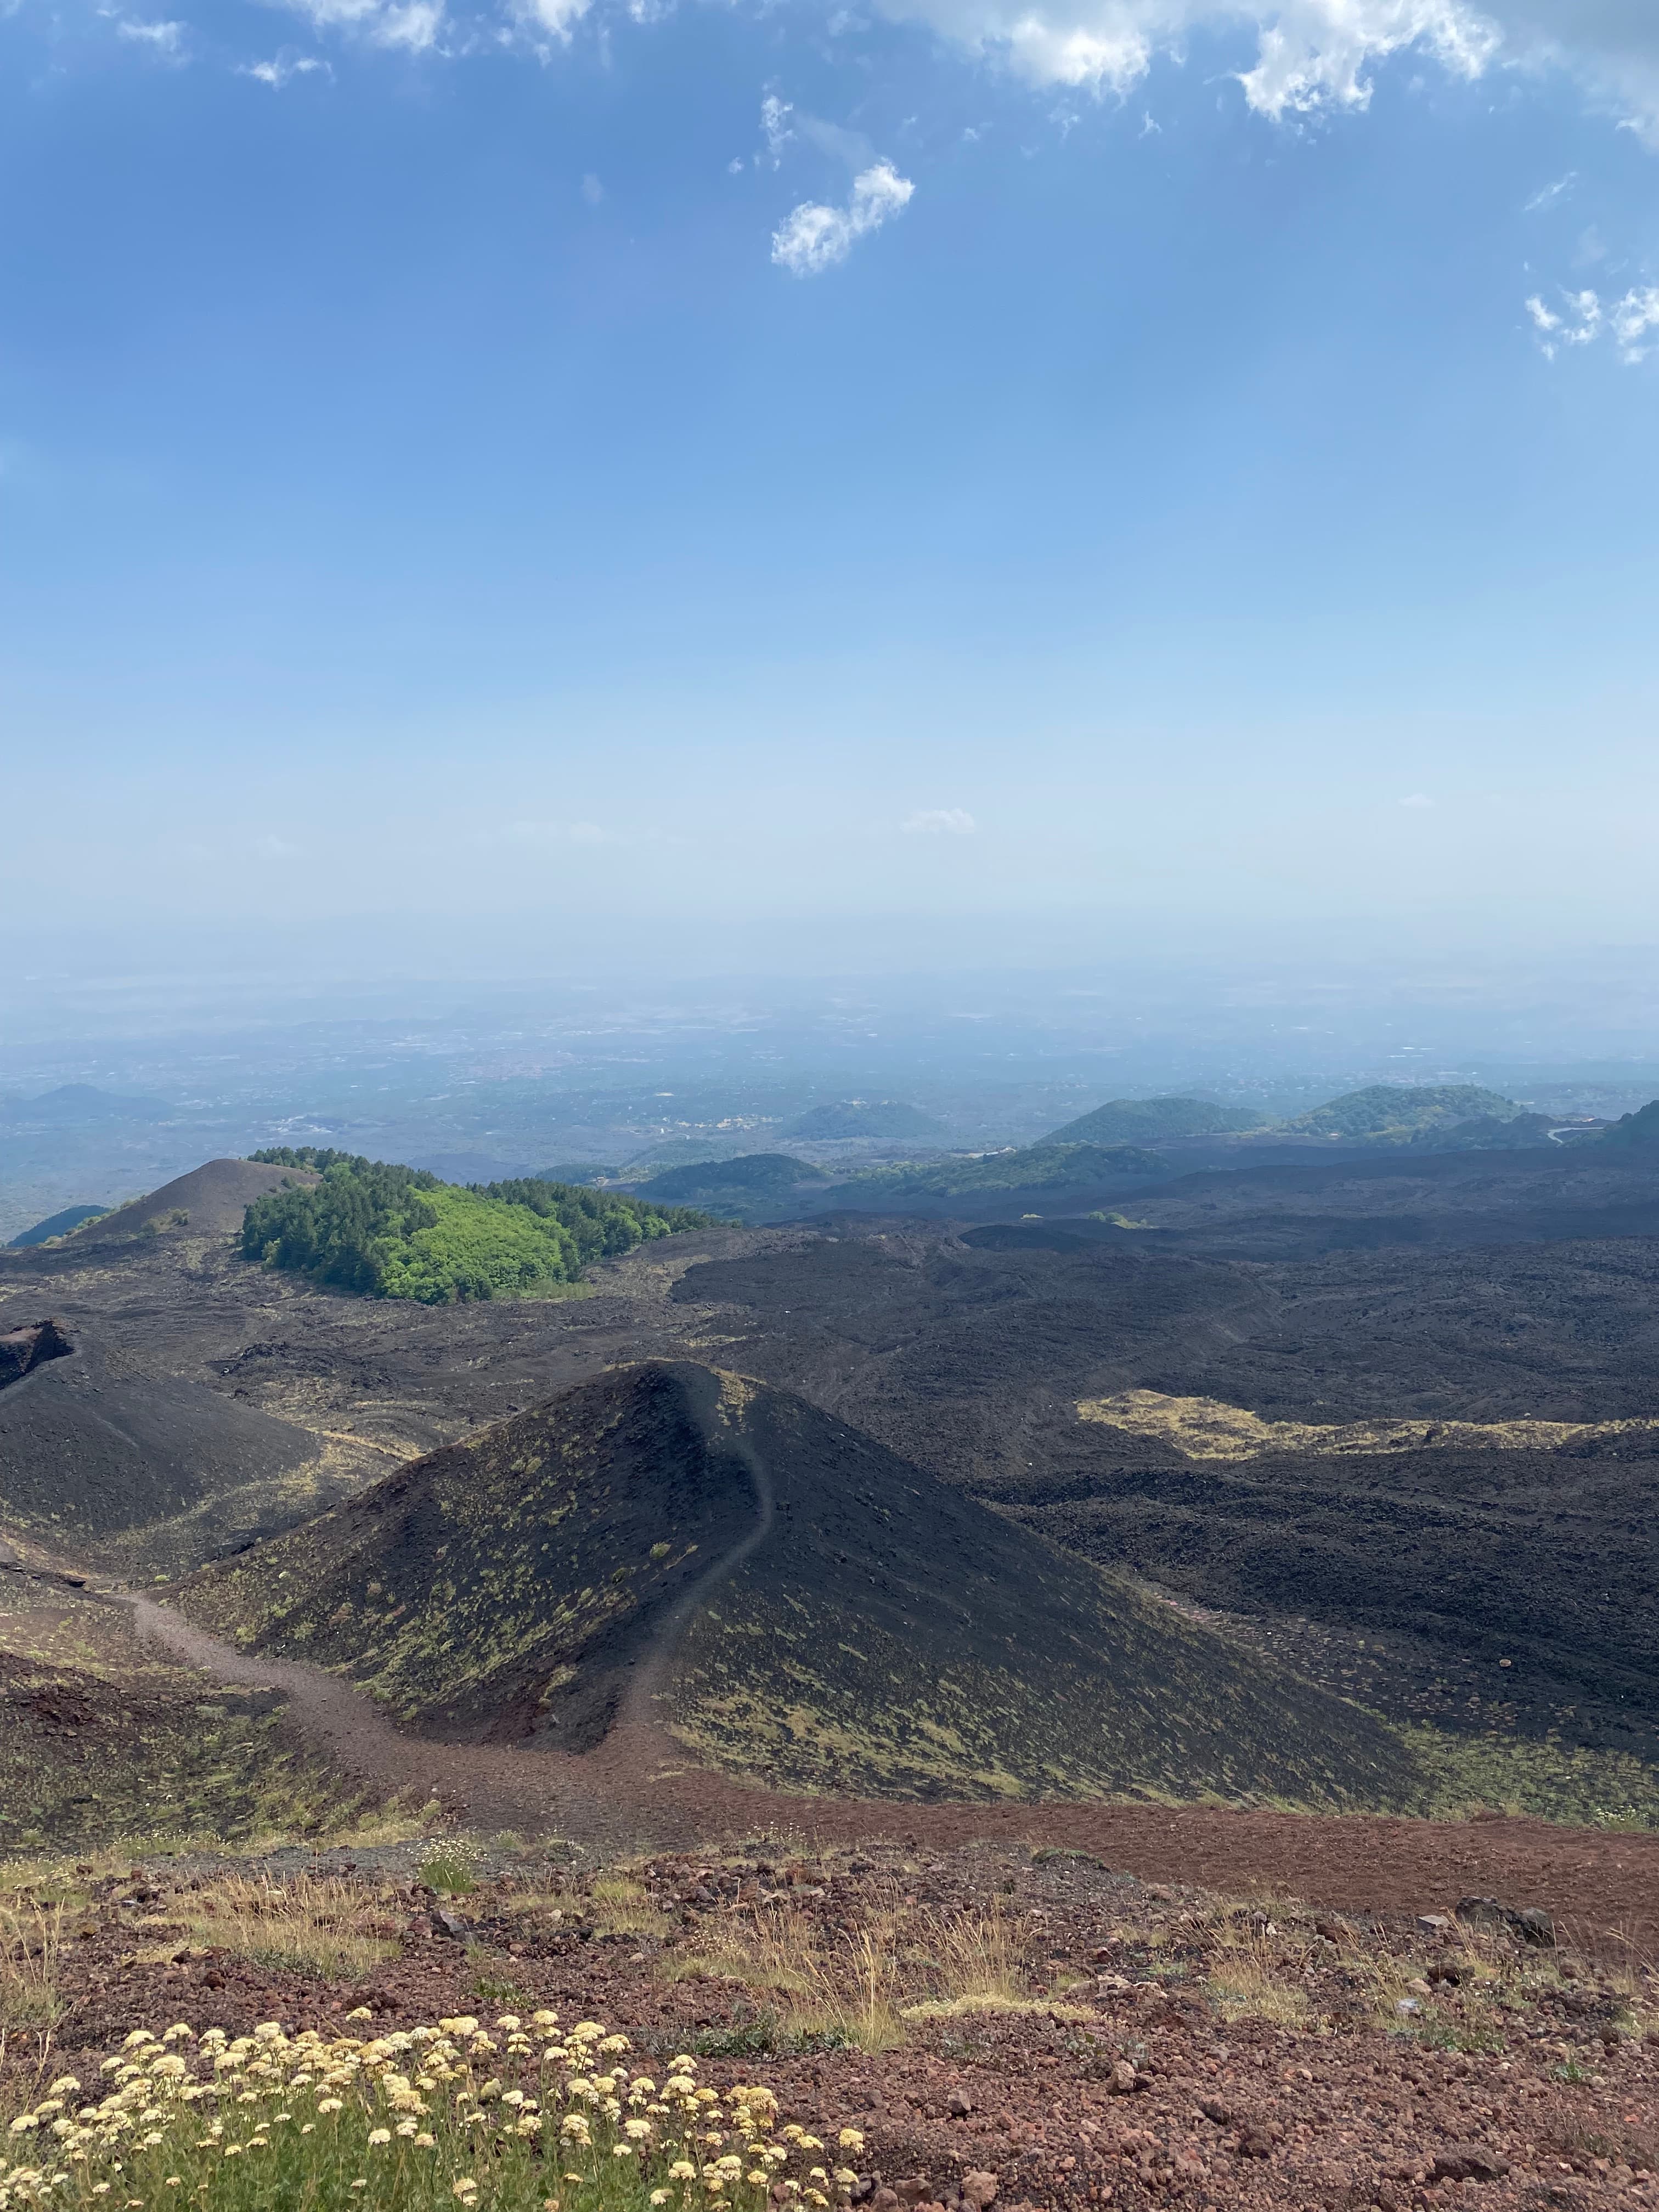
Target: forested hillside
396 1232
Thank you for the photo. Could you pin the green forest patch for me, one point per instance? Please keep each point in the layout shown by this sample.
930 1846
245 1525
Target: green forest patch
387 1231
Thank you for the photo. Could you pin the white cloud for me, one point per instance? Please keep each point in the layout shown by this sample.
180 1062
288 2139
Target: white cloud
413 25
276 848
774 126
1417 799
282 69
1630 322
939 822
592 190
815 237
556 18
165 38
1317 54
1551 193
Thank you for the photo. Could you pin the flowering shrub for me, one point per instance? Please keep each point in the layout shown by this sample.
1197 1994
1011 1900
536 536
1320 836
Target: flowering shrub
453 2118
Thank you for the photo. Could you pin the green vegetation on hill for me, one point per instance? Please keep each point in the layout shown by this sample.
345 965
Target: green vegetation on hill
1145 1121
752 1175
1638 1131
863 1117
1047 1166
396 1232
57 1225
1397 1113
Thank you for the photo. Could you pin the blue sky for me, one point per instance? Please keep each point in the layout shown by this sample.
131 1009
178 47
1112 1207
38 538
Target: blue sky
1092 459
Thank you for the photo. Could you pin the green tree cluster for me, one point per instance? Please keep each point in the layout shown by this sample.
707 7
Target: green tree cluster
397 1232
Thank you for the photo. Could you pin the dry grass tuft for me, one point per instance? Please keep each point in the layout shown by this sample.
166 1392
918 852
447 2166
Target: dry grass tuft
862 1986
622 1906
31 1942
314 1925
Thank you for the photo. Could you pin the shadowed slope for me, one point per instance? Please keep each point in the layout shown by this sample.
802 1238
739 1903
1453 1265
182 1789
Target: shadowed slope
792 1600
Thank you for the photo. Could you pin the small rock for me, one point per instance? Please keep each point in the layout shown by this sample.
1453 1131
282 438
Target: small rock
1436 1923
1419 1987
1407 2007
1123 2078
1481 1912
1535 1925
1467 2162
913 2190
978 2188
884 2200
445 1923
959 2105
1215 2111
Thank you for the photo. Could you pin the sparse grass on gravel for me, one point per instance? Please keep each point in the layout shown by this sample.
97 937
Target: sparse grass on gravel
521 2117
31 1939
313 1924
860 1987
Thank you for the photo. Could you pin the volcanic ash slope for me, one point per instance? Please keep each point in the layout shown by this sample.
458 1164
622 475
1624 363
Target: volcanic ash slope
793 1602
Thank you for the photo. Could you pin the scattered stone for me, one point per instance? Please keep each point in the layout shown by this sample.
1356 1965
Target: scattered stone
978 2188
959 2105
1468 2161
1437 1923
1123 2078
1531 1924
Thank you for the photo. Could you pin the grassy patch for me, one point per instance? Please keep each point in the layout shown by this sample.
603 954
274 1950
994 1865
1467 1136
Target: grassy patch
450 1870
622 1907
861 1987
31 1940
313 1925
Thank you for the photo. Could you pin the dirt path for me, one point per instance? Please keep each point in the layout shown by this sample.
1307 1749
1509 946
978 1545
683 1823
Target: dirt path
637 1793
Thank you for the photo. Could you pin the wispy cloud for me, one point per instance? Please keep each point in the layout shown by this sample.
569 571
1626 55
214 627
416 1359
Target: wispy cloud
412 25
165 38
815 237
272 847
776 127
939 822
283 68
1551 193
1583 316
592 190
1417 799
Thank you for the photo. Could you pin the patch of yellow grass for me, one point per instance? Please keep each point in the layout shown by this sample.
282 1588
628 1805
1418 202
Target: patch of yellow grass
1242 1986
901 1965
313 1924
958 2008
1205 1428
622 1907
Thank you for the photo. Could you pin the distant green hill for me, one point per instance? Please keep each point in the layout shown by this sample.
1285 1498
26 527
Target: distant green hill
1396 1113
389 1232
57 1225
753 1178
1635 1133
863 1117
1143 1121
575 1171
1047 1166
